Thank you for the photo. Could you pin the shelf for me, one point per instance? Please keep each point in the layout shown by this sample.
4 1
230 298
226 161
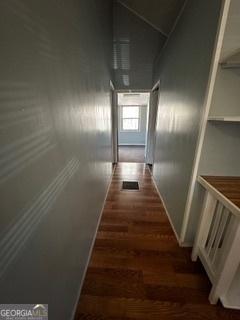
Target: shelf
224 118
231 62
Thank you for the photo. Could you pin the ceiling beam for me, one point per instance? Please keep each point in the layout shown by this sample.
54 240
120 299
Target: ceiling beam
143 18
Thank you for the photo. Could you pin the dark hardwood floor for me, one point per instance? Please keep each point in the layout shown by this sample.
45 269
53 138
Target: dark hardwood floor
137 270
227 186
131 154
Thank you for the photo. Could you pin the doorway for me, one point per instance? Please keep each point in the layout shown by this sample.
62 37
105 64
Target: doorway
132 126
152 122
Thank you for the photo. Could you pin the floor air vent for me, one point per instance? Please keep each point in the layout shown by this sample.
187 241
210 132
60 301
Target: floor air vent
130 185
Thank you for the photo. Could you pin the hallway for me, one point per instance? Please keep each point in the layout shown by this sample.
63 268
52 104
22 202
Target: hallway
137 270
131 154
160 79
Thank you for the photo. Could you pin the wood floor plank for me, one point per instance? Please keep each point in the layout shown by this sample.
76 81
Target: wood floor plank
228 186
137 269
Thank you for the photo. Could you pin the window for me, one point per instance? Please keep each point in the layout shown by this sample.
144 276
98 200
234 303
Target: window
130 118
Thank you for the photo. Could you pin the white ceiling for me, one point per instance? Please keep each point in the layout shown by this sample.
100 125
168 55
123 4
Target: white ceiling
131 99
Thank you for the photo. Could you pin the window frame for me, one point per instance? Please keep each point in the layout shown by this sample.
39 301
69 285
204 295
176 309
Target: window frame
138 118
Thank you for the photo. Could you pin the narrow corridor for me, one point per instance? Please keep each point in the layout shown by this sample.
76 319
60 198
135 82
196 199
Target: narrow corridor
86 84
137 270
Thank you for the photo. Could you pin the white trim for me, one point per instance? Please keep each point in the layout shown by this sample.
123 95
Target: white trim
204 259
186 244
227 304
143 18
152 125
133 91
206 108
224 118
112 85
205 220
132 144
114 115
132 105
181 244
220 197
92 246
157 84
228 266
157 116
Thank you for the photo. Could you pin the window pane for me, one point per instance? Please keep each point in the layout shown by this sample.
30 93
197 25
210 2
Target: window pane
130 124
130 112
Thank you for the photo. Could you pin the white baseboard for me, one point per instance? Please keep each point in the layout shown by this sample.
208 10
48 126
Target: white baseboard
131 144
186 244
91 249
181 244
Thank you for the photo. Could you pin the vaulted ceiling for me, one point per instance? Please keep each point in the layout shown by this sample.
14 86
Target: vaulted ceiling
160 14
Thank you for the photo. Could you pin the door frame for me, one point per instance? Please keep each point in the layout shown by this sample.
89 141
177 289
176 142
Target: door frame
153 111
116 118
114 123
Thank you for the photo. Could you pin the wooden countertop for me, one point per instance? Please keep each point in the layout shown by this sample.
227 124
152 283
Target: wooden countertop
225 188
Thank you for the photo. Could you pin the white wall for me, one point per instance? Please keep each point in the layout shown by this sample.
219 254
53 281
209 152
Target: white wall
55 136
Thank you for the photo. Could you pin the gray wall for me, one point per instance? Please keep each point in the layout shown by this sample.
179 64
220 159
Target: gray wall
183 69
136 45
55 151
220 154
134 138
221 149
